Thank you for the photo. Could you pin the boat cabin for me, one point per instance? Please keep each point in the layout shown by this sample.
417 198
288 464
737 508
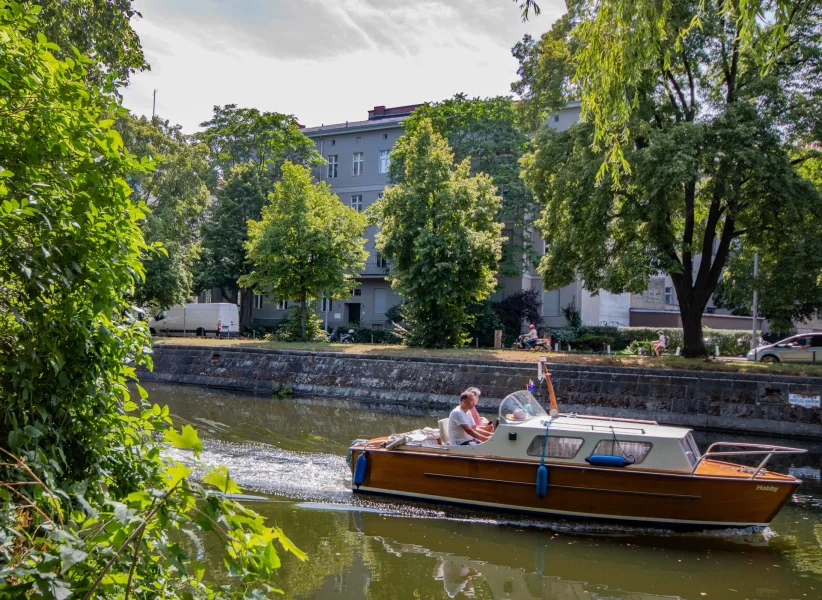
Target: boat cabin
573 439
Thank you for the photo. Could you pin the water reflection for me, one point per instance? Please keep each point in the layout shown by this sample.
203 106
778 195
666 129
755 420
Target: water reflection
293 453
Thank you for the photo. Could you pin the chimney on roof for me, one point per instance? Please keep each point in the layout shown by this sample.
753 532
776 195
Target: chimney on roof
376 113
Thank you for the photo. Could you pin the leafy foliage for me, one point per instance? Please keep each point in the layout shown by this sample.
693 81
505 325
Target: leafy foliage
99 30
438 228
264 140
617 43
88 505
225 231
524 306
293 328
711 162
307 243
174 189
246 150
487 131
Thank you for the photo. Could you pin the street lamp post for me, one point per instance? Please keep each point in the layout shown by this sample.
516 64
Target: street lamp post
755 302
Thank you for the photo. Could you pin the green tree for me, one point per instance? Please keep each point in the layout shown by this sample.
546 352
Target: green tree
618 43
247 149
174 189
488 132
438 227
711 163
225 232
786 258
88 505
265 140
100 30
307 243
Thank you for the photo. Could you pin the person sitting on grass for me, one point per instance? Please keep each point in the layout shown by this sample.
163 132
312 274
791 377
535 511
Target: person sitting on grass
660 344
461 426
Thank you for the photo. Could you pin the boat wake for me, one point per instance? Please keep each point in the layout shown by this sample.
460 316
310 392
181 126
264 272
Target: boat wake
321 481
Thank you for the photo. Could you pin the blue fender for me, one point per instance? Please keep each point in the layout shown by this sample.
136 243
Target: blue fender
542 481
359 469
606 460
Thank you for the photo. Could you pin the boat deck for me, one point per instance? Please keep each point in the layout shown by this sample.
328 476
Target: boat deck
716 468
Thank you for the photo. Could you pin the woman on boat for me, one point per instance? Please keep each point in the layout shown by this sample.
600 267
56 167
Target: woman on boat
481 422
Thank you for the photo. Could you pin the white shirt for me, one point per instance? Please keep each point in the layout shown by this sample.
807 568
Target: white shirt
456 419
663 341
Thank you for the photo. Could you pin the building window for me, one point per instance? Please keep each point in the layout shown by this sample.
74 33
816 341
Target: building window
359 139
356 202
557 446
652 296
669 295
205 297
380 260
282 304
556 118
380 301
636 450
385 161
550 303
332 166
258 301
710 310
358 163
356 292
333 142
325 304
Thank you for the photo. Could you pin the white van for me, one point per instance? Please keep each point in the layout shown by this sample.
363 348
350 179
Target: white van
221 319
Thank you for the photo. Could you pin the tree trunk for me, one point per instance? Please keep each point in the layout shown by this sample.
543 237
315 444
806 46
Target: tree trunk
246 299
302 316
691 314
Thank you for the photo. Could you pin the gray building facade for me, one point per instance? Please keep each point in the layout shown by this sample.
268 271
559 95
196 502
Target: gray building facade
357 156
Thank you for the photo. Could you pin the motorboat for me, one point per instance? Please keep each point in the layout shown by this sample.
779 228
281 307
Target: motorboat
580 466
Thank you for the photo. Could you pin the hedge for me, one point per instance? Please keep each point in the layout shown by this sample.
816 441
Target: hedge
732 342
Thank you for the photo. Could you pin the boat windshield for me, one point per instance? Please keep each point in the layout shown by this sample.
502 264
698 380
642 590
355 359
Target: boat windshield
519 407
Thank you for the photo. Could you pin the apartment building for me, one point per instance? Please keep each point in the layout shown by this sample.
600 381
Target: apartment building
357 155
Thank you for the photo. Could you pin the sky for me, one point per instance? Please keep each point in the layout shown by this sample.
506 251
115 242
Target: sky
324 61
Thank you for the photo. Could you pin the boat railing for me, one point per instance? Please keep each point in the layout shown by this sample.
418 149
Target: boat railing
749 450
614 419
608 428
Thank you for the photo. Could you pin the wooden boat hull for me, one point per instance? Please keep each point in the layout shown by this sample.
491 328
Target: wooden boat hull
615 494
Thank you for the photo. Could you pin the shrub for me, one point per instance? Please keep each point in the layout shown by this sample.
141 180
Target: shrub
365 335
516 309
289 330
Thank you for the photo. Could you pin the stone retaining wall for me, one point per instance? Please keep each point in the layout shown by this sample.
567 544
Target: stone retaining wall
712 400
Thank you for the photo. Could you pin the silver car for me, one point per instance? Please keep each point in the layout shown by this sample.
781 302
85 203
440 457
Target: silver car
801 348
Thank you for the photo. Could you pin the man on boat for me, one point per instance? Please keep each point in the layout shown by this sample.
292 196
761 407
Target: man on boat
462 429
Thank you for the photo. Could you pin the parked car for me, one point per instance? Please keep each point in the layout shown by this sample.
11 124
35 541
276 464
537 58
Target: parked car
801 348
219 319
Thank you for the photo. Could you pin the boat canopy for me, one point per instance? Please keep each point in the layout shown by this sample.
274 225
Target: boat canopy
519 407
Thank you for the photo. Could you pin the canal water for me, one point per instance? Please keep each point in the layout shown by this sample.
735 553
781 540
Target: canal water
290 456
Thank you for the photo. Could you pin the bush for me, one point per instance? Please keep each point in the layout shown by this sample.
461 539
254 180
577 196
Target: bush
516 309
732 342
485 321
289 329
365 335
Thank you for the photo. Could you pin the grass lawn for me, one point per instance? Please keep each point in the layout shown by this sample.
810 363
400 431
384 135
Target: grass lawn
664 362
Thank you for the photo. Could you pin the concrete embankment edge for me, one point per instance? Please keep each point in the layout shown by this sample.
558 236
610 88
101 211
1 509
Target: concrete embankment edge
745 403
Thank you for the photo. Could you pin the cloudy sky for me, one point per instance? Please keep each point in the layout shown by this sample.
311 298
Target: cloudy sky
325 61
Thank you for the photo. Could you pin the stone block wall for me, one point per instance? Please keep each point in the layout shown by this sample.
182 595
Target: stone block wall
757 404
